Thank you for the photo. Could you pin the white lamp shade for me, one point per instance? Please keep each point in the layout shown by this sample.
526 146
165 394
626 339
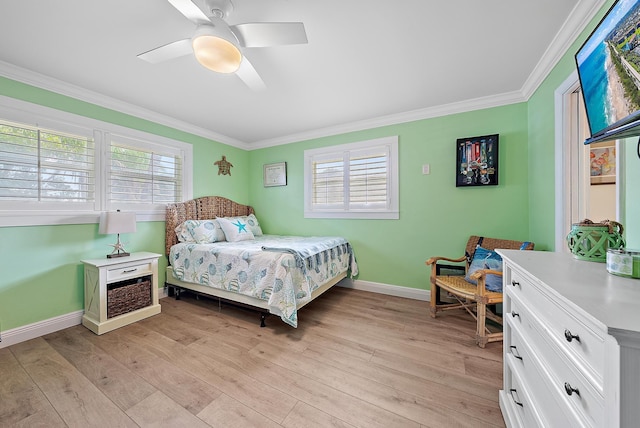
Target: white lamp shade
216 48
117 222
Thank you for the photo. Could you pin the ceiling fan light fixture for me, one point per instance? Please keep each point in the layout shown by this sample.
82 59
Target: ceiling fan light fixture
215 51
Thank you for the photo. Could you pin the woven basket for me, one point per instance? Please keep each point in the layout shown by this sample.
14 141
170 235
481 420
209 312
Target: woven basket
127 297
590 241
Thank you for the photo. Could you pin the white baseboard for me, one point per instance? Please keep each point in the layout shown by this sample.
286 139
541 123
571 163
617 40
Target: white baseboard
392 290
37 329
31 331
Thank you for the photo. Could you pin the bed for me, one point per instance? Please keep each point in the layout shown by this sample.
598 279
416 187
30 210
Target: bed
270 273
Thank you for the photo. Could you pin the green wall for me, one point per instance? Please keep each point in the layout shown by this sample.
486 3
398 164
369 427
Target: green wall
542 145
42 276
631 213
436 218
541 135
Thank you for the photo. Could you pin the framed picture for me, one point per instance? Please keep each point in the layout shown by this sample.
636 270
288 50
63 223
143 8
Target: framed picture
602 161
477 161
275 174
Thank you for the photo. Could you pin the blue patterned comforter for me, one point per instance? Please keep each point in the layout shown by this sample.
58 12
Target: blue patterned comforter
282 270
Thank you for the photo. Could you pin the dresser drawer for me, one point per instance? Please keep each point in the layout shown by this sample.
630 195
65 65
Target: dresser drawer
518 399
578 338
522 360
565 387
577 390
129 271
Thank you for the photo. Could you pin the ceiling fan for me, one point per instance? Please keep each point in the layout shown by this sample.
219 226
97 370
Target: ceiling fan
217 45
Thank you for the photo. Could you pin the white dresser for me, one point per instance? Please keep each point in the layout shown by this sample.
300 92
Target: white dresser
571 343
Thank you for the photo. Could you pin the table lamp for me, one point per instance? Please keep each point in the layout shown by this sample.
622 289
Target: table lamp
117 222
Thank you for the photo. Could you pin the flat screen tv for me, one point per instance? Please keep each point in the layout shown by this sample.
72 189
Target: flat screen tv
609 70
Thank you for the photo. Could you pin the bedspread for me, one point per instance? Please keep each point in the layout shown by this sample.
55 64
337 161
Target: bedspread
282 270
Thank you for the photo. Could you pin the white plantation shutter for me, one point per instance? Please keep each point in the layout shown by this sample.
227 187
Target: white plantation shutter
56 168
43 166
357 180
143 175
328 182
368 184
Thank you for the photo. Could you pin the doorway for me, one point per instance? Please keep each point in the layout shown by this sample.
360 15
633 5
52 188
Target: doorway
586 176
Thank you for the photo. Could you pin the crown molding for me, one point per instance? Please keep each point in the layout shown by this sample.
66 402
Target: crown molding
394 119
48 83
582 14
576 22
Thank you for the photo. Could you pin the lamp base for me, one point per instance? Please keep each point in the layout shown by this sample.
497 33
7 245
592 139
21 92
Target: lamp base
113 255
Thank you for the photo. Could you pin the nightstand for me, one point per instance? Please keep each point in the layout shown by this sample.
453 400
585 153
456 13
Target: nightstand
120 291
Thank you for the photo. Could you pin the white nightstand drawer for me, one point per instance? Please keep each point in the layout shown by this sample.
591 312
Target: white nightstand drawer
129 271
576 337
116 291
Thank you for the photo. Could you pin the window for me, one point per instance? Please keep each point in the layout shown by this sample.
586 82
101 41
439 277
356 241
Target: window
38 165
59 168
140 174
357 180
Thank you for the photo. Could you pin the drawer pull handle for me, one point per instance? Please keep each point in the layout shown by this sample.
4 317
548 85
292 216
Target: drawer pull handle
514 283
130 270
514 354
519 403
570 390
515 314
570 337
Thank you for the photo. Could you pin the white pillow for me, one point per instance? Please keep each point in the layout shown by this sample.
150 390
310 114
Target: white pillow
200 231
236 230
252 223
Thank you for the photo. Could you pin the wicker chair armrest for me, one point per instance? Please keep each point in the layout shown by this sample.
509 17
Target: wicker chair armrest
434 260
482 273
481 276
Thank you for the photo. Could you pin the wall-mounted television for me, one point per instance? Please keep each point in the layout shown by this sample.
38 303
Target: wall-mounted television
609 70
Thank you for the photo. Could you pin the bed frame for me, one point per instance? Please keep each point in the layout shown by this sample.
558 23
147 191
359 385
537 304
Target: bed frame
210 207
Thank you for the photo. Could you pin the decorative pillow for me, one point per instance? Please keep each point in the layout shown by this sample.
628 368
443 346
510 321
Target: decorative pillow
251 221
183 234
200 231
235 230
486 259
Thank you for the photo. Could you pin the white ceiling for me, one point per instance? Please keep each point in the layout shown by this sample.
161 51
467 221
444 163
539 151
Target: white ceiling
367 63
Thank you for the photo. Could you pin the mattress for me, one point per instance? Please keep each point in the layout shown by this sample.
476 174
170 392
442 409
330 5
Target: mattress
282 270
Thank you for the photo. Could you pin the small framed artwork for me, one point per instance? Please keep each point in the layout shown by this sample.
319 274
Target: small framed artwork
275 174
477 161
602 161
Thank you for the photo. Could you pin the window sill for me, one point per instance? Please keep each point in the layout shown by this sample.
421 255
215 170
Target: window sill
363 215
36 218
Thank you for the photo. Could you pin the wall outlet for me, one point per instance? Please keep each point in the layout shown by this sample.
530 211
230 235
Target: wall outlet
426 169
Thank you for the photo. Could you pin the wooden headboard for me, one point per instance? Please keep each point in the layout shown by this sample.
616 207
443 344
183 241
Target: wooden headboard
207 207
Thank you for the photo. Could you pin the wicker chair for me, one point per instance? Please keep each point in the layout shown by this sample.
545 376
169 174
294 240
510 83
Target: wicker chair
473 298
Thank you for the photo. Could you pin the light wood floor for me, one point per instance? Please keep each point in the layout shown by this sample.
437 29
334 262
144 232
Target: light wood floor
357 359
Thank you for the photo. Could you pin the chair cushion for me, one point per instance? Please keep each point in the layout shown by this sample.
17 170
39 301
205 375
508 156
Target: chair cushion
486 259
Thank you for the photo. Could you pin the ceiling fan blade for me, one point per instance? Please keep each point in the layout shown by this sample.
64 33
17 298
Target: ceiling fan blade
168 51
250 76
264 34
190 11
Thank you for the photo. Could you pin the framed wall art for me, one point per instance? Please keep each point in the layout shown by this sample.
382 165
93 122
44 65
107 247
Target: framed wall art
477 161
602 161
275 174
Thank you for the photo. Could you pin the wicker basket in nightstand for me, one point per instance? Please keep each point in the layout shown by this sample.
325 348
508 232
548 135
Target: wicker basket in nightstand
127 296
